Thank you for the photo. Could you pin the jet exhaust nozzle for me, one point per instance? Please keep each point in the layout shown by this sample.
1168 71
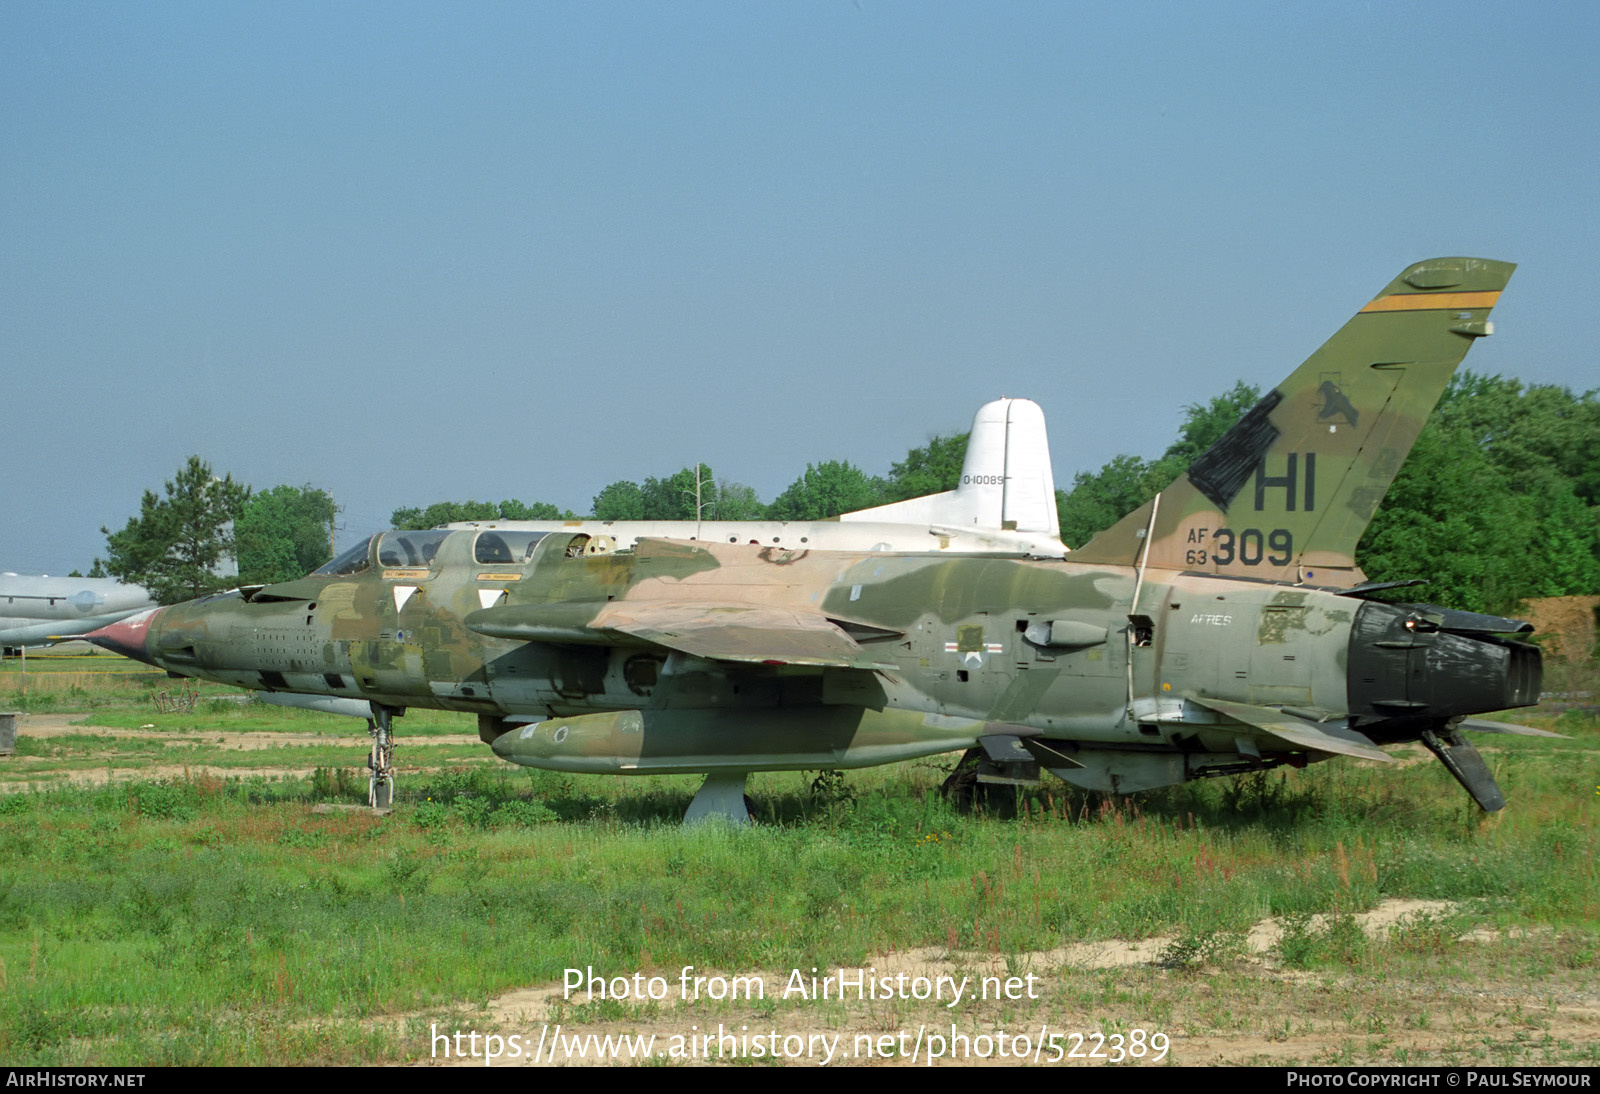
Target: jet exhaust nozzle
1416 661
1416 672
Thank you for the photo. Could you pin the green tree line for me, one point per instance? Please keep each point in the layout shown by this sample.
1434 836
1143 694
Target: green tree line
1499 501
186 541
823 490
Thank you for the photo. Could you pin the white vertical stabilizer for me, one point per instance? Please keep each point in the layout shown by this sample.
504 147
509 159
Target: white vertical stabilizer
1006 481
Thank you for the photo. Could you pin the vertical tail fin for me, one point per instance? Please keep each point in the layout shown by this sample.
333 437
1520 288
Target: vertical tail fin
1288 491
1006 481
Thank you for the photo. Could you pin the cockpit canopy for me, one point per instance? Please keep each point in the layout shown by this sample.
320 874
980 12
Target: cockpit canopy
412 549
506 548
352 561
417 549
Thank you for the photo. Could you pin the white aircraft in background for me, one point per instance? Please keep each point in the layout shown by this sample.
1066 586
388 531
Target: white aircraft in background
1005 503
36 610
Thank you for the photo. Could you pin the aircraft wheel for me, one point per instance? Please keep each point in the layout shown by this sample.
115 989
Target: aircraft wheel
998 800
960 789
963 790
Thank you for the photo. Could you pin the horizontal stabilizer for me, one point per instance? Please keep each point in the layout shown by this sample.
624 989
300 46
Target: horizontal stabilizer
1482 725
1300 733
1459 622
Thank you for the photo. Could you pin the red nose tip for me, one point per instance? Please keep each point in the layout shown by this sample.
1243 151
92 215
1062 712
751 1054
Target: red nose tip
127 636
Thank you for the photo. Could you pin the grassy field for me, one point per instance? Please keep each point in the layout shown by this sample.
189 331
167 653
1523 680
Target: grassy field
157 907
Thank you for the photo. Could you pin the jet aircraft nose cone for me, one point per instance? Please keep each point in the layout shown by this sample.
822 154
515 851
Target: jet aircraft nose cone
127 636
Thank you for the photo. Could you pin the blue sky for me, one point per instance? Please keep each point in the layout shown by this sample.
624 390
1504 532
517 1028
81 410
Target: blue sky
420 252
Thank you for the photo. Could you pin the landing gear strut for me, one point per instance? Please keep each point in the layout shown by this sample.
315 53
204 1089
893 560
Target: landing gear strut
380 781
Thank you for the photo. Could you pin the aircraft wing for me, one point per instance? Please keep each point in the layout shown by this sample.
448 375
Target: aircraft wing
759 635
752 634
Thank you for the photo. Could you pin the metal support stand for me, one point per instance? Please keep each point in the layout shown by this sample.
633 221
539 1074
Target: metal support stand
720 798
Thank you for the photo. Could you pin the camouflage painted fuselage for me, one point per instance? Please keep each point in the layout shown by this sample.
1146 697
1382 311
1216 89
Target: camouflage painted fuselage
1222 627
700 658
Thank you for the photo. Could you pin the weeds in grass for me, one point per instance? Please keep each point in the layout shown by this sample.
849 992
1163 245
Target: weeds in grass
431 814
1580 956
829 788
296 837
166 800
1195 949
229 906
1427 935
1307 943
337 783
524 814
407 871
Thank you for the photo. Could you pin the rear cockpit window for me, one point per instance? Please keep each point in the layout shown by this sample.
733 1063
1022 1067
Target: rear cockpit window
409 548
506 548
352 561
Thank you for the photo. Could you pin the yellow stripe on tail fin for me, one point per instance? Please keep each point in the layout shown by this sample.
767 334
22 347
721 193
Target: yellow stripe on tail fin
1288 491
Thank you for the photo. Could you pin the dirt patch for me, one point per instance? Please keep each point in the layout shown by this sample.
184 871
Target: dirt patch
63 725
1567 624
22 772
99 776
1250 1012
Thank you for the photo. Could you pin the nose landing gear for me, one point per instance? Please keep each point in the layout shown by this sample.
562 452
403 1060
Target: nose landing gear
380 764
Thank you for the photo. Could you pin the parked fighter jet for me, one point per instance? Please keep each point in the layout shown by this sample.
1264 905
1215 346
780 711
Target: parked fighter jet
34 611
1005 503
1221 628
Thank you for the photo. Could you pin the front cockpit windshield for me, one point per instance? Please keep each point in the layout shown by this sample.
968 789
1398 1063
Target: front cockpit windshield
352 561
409 548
